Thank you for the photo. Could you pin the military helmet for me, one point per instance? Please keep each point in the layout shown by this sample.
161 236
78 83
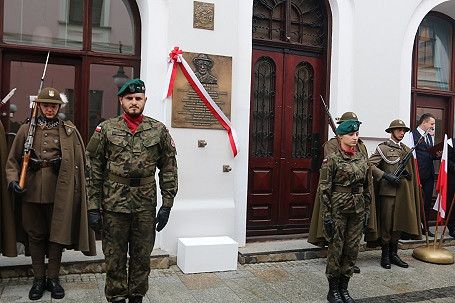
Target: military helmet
49 95
397 123
348 116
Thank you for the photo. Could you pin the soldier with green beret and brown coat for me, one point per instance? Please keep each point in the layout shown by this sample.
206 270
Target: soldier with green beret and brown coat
123 155
398 206
316 235
345 203
54 209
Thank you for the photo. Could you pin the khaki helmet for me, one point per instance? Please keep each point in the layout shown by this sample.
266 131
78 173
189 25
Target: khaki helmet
397 124
348 116
49 95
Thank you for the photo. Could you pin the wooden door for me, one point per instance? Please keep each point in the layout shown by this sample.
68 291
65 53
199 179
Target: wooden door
284 142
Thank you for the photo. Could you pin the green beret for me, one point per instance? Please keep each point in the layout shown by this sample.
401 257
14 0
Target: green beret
132 87
347 127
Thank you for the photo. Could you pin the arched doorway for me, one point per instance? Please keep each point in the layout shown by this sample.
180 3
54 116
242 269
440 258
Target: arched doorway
94 47
288 125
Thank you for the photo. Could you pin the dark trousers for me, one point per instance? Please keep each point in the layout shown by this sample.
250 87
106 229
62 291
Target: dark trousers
427 192
36 220
450 194
127 233
388 236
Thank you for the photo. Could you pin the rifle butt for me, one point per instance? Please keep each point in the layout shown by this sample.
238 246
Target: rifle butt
24 170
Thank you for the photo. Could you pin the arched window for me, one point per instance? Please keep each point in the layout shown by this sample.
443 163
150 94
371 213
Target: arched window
94 48
433 86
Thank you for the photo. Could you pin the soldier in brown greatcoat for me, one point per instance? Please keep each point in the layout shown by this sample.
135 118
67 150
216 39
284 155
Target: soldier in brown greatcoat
7 228
54 207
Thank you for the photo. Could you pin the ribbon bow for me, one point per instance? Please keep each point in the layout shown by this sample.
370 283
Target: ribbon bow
174 54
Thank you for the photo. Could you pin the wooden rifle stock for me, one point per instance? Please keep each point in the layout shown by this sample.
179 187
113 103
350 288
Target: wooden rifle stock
331 123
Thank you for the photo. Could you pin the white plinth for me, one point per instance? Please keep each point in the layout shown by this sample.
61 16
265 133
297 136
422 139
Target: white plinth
207 254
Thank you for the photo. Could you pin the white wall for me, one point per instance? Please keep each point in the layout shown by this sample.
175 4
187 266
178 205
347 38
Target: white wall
209 202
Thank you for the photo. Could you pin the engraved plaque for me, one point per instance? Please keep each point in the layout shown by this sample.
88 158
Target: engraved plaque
203 15
215 74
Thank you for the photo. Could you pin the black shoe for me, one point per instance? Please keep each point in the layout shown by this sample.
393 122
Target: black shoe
136 299
334 295
385 257
343 290
37 290
430 233
452 233
53 285
394 258
356 269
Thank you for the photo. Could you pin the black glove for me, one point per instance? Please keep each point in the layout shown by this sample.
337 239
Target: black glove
328 229
16 189
392 179
365 222
162 217
94 220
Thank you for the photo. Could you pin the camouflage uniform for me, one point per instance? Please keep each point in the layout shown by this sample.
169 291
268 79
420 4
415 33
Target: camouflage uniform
121 180
344 198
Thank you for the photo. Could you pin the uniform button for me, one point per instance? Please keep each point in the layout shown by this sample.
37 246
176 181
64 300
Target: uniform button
77 167
44 143
45 135
44 151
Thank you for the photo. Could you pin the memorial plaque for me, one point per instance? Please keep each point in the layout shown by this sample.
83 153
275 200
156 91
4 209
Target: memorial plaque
215 74
203 15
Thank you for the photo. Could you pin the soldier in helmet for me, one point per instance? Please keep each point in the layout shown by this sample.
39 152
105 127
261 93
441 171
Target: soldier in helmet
345 203
54 209
398 207
315 235
123 155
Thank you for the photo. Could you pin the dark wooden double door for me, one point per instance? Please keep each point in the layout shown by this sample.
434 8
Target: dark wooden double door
285 139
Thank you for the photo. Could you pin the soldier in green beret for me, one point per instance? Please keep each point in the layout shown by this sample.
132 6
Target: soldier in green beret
122 157
316 235
54 206
398 211
345 203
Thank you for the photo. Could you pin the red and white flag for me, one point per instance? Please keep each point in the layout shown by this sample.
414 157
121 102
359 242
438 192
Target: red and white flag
441 184
411 145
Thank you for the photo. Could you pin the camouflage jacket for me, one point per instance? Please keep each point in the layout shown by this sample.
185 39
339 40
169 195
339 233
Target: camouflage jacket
114 150
344 184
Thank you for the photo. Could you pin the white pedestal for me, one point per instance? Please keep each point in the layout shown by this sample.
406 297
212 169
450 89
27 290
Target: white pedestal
207 254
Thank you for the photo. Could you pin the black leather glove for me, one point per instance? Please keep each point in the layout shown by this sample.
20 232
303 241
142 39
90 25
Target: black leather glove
392 179
328 229
94 220
16 189
365 222
162 217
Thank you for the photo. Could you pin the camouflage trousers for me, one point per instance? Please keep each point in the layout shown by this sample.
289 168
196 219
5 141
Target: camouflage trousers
344 247
134 234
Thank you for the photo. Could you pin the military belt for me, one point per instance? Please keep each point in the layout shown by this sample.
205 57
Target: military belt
348 189
134 182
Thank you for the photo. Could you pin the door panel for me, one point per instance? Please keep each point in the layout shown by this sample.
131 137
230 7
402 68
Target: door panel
284 123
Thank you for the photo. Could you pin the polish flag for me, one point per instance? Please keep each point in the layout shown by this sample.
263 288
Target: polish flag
411 145
441 184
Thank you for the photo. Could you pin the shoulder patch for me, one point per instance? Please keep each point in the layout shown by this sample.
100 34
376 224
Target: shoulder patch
172 142
324 161
98 128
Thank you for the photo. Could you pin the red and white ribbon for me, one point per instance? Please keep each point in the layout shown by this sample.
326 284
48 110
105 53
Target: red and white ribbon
176 58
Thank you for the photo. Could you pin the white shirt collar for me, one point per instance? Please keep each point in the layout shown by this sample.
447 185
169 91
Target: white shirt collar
397 143
421 131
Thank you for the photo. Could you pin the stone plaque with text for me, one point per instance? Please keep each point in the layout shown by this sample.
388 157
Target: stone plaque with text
215 74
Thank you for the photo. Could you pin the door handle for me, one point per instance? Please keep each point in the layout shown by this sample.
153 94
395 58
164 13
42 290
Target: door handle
314 151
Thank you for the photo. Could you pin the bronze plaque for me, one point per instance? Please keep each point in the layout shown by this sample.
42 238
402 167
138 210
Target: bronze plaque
215 74
203 15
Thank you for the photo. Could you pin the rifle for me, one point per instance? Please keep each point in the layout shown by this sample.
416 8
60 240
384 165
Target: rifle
28 145
331 123
402 165
7 97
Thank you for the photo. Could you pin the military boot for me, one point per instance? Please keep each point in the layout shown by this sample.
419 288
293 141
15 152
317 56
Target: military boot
37 290
334 296
394 258
343 289
136 299
385 257
53 285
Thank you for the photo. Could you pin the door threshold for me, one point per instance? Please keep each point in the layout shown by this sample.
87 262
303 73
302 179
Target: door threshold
251 239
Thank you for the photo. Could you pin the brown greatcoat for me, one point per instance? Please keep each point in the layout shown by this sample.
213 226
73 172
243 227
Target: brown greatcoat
315 235
69 225
406 215
7 227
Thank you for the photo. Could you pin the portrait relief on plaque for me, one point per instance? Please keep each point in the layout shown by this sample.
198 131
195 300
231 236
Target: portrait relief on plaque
215 74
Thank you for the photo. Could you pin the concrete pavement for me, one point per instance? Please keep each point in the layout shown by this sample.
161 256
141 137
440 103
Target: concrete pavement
278 282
